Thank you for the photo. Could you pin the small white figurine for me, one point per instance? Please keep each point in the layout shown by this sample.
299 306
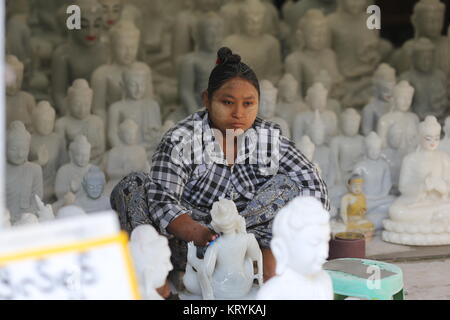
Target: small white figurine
144 111
23 178
394 155
259 50
400 115
19 104
430 83
80 120
384 81
421 215
376 173
151 257
268 105
69 176
227 271
290 102
301 232
298 9
45 143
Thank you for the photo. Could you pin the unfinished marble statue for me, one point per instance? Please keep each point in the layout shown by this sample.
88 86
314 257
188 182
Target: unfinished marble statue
290 102
429 82
194 68
106 80
400 115
394 154
19 104
126 157
428 19
259 50
45 141
91 197
301 232
354 207
80 121
23 178
227 271
316 99
268 105
144 111
420 216
384 81
306 146
376 173
151 256
80 55
69 176
315 55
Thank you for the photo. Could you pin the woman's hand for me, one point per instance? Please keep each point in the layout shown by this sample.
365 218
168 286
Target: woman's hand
185 228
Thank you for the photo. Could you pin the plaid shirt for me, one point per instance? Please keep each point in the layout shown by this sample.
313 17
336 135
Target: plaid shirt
190 167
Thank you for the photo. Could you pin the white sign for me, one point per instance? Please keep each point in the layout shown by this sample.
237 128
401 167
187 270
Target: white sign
76 258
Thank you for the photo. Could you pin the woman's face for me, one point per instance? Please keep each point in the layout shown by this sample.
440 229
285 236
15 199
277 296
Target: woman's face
233 106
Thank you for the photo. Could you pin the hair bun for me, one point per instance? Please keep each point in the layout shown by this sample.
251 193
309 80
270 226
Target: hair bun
226 56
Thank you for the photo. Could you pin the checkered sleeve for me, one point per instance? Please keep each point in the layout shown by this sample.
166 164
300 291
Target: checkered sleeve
164 190
295 165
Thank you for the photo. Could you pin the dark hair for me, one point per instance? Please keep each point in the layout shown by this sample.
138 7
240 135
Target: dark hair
229 66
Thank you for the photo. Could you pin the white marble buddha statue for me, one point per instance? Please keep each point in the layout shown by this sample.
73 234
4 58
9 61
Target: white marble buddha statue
80 121
80 55
402 98
384 81
301 232
19 104
151 256
333 104
69 176
194 68
315 55
316 99
91 196
106 81
23 178
429 82
227 270
444 145
45 140
290 102
376 174
268 105
394 154
144 111
261 51
126 157
421 215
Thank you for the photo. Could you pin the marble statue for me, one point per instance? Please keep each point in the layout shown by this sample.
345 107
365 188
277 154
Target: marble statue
324 78
300 8
402 98
376 173
316 99
126 157
420 216
268 105
444 145
106 80
44 211
80 121
354 207
19 104
394 155
112 12
428 19
429 82
194 68
384 81
69 176
307 147
91 197
301 232
259 50
26 219
45 141
80 55
315 55
227 270
151 256
23 178
144 111
290 102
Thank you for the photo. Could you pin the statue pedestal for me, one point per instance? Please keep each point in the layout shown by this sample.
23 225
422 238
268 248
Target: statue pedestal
416 234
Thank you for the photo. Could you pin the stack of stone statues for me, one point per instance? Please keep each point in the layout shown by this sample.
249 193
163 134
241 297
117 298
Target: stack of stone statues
85 107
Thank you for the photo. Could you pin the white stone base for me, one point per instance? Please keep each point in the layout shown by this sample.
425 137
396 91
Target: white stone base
415 234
